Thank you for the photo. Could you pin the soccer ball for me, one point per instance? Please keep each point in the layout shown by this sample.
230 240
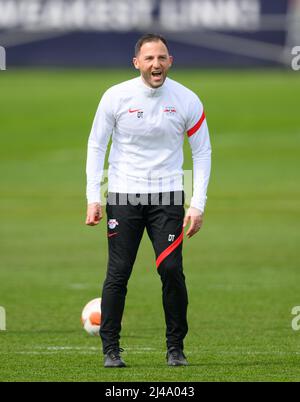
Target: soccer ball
91 317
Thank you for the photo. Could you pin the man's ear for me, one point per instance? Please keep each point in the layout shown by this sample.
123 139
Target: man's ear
171 58
136 63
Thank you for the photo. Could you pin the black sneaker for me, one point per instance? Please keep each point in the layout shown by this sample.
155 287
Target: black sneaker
176 357
113 359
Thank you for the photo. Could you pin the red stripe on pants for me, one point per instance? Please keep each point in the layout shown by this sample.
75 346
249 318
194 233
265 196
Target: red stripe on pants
169 250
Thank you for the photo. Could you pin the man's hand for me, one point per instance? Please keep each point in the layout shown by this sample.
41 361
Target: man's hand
94 214
195 217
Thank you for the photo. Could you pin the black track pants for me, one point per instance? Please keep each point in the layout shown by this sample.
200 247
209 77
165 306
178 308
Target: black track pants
126 224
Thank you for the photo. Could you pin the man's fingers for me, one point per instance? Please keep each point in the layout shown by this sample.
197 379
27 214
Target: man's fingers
94 214
186 220
89 222
92 223
97 219
93 220
195 226
191 231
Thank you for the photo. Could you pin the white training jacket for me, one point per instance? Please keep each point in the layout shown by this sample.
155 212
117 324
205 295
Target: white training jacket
148 127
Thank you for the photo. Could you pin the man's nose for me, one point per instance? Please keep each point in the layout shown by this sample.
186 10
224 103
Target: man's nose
156 63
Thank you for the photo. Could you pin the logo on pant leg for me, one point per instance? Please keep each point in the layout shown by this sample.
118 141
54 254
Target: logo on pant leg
113 223
112 235
171 237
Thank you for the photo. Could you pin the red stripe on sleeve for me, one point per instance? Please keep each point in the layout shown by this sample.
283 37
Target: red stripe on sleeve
197 126
169 250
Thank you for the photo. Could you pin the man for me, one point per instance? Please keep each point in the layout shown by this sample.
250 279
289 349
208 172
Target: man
147 117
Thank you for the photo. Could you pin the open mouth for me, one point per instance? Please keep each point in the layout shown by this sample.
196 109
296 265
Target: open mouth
156 74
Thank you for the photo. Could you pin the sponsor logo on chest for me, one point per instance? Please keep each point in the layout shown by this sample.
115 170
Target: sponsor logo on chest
169 110
138 112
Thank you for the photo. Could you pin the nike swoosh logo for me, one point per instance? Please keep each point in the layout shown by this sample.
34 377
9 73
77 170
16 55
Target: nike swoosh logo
134 110
112 234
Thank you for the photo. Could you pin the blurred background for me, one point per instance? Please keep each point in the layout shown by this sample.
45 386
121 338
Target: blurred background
242 269
202 33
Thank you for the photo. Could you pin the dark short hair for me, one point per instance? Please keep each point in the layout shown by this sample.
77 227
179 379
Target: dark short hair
150 37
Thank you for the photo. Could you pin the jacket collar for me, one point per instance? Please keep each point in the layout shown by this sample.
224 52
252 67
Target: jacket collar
152 92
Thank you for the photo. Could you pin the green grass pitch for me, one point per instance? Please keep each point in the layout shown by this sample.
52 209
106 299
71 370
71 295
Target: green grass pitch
242 270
